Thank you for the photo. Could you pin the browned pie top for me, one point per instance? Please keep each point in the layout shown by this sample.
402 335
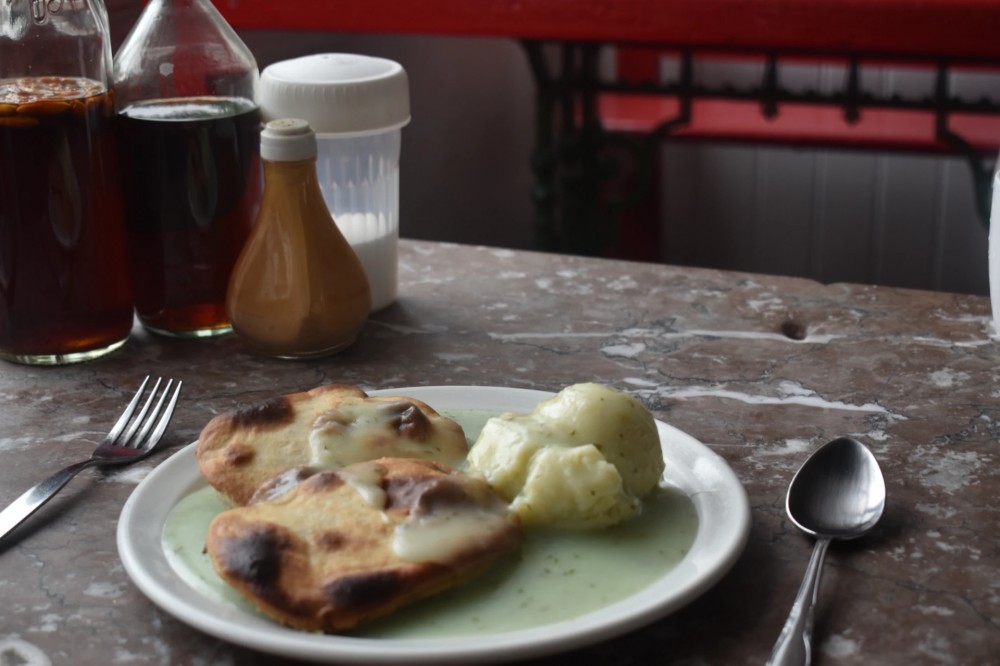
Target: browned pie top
332 549
327 427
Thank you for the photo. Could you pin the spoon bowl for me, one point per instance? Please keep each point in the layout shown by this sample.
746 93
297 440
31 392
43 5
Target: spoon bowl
838 493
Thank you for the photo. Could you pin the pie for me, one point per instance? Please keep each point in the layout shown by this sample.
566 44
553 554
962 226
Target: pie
331 550
326 428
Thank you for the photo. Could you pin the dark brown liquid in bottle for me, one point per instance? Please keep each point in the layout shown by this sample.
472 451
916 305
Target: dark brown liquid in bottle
64 289
191 175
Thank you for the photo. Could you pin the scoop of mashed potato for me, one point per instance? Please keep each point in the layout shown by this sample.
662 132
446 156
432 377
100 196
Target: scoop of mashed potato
581 459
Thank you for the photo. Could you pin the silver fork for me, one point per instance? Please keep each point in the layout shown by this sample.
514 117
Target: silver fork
126 443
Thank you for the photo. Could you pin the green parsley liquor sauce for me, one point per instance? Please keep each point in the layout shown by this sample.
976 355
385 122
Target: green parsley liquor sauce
557 575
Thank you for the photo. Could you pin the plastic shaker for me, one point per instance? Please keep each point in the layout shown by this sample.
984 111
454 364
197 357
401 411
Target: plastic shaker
357 105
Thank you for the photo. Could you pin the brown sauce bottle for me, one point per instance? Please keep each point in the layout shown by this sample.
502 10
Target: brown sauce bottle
298 289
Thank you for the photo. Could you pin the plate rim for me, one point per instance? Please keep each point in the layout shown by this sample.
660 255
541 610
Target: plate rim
139 545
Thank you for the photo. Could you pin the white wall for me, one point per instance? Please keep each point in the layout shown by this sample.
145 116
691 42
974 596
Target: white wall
897 220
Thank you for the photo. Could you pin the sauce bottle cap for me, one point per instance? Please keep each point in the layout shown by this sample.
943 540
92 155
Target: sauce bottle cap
287 140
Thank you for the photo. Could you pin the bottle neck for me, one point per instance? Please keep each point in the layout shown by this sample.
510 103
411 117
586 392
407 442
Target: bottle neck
303 169
296 178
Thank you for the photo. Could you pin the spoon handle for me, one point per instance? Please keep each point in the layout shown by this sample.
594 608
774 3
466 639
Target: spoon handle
794 646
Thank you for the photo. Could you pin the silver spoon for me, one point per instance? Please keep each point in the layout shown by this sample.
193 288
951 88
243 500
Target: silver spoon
838 493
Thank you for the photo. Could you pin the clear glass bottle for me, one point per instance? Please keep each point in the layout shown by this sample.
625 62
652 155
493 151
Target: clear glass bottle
298 289
186 90
64 289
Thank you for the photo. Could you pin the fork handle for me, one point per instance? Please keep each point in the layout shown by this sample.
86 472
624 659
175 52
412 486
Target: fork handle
36 496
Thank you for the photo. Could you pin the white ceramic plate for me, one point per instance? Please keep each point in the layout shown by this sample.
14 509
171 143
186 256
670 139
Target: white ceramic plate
723 526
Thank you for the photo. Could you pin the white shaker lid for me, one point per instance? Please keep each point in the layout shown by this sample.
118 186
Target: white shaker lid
338 93
287 140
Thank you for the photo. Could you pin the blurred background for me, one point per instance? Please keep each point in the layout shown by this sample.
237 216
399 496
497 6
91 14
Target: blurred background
904 220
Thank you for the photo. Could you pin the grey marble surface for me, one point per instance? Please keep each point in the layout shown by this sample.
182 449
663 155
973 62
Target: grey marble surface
761 369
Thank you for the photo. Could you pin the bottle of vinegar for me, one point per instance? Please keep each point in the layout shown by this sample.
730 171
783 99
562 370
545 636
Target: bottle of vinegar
298 289
64 286
189 127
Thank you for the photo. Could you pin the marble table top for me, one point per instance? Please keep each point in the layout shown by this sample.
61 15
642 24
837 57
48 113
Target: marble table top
761 369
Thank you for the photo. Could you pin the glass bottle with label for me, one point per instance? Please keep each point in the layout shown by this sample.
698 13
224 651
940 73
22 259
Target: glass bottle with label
298 289
64 288
190 134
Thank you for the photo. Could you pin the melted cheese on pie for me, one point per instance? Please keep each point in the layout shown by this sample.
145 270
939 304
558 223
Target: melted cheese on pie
360 430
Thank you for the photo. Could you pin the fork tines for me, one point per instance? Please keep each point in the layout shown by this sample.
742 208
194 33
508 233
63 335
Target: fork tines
136 434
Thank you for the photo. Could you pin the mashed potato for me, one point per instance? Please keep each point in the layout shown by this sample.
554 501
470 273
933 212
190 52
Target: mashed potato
581 459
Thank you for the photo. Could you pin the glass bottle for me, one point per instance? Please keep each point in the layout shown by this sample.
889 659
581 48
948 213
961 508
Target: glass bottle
298 289
186 90
64 289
